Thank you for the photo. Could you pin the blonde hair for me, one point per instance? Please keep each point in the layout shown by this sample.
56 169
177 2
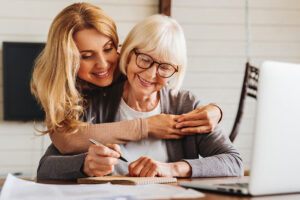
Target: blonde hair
54 77
160 34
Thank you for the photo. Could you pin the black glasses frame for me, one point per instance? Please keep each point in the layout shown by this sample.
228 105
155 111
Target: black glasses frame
153 61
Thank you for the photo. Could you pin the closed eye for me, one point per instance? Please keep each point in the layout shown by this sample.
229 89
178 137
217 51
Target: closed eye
85 57
108 50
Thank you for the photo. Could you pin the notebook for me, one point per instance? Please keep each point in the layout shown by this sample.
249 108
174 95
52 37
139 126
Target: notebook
124 180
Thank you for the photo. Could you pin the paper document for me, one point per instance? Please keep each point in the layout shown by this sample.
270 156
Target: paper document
15 188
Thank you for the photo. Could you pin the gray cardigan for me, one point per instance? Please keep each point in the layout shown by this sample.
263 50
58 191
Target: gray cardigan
209 155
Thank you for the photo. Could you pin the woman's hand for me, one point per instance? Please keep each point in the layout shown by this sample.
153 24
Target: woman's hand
100 160
201 120
147 167
162 126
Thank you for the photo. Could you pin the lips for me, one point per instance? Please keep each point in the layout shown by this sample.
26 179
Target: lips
102 74
144 82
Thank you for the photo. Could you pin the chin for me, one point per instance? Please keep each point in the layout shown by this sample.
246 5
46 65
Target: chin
104 83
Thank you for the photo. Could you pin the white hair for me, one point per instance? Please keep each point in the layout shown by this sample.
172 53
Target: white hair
160 34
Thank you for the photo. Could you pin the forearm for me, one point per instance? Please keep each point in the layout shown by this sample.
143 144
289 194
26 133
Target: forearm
55 166
106 133
217 166
220 157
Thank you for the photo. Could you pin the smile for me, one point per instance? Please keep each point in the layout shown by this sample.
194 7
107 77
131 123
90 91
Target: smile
102 74
144 82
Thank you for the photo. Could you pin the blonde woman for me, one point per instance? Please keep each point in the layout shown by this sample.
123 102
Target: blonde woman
80 60
153 55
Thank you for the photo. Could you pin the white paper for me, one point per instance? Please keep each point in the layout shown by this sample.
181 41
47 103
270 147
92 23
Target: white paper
15 188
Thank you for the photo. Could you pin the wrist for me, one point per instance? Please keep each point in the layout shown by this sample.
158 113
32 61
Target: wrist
219 108
84 170
181 169
149 126
144 129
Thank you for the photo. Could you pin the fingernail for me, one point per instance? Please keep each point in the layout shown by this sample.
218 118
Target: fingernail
177 126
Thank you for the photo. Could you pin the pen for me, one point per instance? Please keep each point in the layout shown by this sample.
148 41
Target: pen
99 144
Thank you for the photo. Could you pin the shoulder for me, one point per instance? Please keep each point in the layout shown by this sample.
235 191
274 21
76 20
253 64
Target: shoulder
181 102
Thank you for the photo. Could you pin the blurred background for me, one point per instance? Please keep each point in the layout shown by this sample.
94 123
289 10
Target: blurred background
215 31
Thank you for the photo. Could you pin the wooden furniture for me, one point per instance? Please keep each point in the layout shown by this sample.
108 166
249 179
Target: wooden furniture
249 88
165 7
208 195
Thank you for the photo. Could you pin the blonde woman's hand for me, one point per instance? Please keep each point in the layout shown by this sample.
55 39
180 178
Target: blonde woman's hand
201 120
162 126
100 160
147 167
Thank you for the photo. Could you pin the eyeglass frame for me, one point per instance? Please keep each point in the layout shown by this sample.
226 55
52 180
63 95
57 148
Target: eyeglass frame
153 61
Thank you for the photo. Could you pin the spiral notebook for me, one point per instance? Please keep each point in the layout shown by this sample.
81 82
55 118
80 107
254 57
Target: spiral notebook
124 180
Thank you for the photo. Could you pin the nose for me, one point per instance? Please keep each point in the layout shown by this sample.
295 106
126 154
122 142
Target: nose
101 61
152 71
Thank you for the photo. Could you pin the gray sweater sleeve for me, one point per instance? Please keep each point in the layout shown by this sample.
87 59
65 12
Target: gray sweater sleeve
55 166
209 155
219 156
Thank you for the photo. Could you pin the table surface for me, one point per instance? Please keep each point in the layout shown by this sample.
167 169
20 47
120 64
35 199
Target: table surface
208 195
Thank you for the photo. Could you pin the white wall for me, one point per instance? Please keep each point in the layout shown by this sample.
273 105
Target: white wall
215 32
216 39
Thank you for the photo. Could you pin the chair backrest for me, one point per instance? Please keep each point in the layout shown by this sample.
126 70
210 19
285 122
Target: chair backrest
249 88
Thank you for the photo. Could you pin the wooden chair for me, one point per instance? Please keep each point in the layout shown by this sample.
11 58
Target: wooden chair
249 89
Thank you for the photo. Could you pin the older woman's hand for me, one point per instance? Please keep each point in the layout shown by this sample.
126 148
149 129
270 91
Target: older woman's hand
201 120
162 126
100 160
147 167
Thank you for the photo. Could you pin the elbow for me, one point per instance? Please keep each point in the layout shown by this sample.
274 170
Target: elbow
65 148
241 169
42 171
62 145
238 166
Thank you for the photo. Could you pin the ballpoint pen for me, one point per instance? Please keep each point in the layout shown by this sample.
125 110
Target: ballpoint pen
99 144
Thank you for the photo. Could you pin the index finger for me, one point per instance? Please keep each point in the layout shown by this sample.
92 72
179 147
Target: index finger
115 147
104 151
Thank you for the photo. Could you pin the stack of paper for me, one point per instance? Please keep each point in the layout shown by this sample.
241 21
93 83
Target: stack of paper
15 188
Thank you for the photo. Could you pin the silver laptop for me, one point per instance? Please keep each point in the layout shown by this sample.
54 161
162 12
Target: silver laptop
275 166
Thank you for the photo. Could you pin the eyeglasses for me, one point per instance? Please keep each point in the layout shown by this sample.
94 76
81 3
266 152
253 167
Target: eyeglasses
144 61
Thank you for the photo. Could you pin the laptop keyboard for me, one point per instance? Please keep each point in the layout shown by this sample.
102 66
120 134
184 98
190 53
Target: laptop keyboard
244 185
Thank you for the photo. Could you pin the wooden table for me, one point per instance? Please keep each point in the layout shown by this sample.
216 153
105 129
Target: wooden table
208 195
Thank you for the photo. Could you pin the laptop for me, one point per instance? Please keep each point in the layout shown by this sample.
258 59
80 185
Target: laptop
275 166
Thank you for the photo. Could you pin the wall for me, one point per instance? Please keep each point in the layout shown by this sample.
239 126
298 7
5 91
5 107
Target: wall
216 39
215 32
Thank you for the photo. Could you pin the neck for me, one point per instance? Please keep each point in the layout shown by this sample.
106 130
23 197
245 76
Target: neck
138 102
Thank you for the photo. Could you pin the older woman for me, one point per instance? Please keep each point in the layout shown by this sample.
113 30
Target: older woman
153 55
79 60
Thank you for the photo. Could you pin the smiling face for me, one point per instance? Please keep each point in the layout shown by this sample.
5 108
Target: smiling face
145 82
98 57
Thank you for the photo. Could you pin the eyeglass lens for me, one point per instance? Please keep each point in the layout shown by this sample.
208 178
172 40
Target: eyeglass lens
145 61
